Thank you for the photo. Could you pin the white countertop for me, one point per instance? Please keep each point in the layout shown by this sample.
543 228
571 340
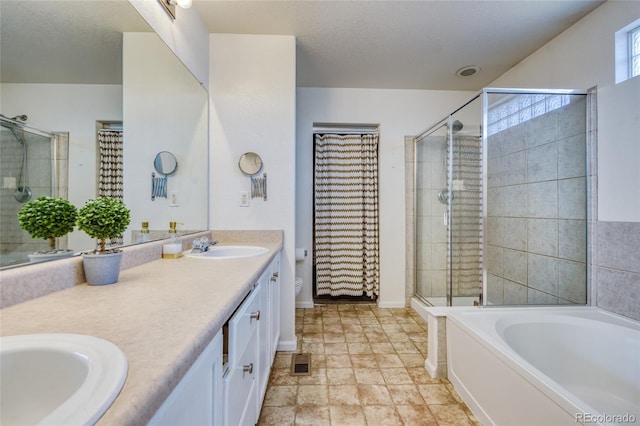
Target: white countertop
162 314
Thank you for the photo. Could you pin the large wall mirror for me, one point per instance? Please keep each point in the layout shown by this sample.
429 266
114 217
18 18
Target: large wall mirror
75 66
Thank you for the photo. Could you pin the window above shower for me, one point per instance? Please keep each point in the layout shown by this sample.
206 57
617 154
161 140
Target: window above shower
512 110
627 48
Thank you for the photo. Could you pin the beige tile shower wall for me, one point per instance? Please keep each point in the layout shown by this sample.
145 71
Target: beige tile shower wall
62 175
618 268
536 210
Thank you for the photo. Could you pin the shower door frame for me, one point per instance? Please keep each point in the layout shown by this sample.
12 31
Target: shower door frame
424 134
591 176
447 121
53 139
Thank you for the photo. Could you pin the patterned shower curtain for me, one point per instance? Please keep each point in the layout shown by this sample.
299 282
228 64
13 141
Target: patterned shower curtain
110 181
110 177
346 215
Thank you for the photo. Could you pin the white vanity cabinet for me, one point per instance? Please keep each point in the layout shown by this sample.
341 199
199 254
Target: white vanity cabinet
197 399
252 349
216 391
240 385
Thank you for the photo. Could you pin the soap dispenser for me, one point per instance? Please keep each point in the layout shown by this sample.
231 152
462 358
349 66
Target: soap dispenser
144 233
173 249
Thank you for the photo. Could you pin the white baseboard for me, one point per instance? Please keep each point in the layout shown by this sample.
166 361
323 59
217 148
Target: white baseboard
436 371
387 305
288 345
304 305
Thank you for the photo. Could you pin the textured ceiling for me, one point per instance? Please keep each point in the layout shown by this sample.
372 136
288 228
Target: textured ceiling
366 44
400 44
57 41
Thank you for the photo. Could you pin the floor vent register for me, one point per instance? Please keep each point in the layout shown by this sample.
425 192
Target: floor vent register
300 364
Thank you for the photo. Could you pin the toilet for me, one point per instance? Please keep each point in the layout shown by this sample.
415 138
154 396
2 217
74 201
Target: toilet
298 285
300 255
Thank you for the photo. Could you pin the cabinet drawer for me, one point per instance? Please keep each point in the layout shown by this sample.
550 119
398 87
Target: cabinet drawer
242 326
240 387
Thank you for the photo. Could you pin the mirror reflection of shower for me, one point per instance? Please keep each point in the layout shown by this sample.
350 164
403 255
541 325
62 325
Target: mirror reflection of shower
22 193
29 159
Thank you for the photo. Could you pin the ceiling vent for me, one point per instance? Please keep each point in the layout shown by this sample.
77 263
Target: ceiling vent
468 71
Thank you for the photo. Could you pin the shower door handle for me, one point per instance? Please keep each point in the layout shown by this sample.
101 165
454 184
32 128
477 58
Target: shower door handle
446 218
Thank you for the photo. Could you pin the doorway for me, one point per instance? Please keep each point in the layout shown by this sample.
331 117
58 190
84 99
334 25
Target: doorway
345 214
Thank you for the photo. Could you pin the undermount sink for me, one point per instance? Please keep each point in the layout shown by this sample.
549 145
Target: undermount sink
56 379
229 252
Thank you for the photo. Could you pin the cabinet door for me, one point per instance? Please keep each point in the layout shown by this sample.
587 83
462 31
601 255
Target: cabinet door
196 399
240 387
274 301
243 324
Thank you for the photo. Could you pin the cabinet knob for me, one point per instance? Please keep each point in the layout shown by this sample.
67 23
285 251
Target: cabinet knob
247 368
255 315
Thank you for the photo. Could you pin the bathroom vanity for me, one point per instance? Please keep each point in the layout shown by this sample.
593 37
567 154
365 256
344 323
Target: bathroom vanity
228 381
199 335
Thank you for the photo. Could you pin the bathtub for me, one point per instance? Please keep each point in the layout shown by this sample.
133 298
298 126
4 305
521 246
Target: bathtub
545 366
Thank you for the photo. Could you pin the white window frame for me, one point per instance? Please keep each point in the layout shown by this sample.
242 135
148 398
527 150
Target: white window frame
634 52
625 52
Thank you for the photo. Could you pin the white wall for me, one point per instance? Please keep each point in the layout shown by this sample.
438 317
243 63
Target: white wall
399 113
72 108
253 107
186 36
164 109
583 57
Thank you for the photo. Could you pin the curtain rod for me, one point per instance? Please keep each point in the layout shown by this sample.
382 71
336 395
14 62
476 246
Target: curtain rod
340 129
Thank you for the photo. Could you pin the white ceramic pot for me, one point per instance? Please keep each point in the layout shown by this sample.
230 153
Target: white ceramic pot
102 269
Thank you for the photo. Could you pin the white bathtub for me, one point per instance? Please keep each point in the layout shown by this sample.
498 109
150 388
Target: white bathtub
545 366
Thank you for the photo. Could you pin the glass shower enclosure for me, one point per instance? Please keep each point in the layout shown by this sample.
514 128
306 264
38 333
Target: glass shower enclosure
27 168
500 201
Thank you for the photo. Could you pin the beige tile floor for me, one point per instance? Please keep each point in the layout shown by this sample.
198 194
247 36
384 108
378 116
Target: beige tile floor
367 368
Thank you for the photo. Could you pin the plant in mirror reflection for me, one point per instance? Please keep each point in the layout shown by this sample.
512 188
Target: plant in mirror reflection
48 218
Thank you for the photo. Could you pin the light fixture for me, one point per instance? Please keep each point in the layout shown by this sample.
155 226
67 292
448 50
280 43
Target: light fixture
468 71
170 6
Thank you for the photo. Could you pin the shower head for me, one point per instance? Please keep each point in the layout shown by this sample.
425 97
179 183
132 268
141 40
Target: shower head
21 117
457 126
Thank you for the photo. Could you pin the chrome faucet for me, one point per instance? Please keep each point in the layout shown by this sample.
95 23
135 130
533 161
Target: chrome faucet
201 245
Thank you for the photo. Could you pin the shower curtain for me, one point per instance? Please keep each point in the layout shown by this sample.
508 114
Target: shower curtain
110 181
346 215
110 177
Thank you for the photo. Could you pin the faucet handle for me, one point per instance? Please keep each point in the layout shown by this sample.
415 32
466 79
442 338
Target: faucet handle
200 244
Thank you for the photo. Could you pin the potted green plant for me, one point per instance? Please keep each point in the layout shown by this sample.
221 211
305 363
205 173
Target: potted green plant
103 218
48 218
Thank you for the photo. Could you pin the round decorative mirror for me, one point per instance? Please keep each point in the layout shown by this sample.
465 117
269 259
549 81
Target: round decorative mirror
165 163
250 163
